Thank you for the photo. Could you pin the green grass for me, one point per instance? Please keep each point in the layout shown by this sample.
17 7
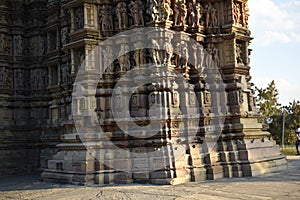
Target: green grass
289 151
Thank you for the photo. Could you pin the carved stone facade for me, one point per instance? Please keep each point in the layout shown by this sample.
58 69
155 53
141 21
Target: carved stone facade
43 43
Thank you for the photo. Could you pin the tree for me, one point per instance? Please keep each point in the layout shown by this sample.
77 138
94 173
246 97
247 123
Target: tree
267 99
292 119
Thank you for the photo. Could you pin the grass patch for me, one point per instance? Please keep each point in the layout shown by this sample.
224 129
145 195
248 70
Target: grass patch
289 151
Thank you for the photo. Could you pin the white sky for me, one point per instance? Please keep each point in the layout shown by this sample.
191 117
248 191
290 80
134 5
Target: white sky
275 26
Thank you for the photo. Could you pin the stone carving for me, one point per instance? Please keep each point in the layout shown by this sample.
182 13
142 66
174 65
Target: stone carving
196 56
168 52
215 56
167 10
237 14
246 15
105 18
37 46
18 22
156 55
107 59
198 9
38 79
140 57
5 77
183 14
177 14
155 11
201 59
18 44
64 35
211 19
192 15
4 43
177 50
185 57
3 20
137 14
121 11
116 16
124 58
194 50
79 18
65 74
180 13
239 53
21 79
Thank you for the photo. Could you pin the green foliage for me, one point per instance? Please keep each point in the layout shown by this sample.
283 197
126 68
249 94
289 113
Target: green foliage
267 99
269 107
292 119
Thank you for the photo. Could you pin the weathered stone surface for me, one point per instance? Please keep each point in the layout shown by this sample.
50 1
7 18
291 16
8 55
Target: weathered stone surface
42 46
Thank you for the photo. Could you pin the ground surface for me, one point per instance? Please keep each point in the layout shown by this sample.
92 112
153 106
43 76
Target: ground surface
282 185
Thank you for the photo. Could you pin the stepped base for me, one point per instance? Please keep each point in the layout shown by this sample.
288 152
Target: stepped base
235 158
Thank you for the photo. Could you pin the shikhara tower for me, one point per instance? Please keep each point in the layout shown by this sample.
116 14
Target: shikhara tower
42 45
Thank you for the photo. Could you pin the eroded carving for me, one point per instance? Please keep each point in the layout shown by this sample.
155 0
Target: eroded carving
137 8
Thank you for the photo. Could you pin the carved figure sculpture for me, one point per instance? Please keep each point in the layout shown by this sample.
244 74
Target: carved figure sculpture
65 73
177 14
211 19
215 56
140 57
201 58
4 46
121 11
237 13
183 14
2 76
198 14
137 8
124 57
79 18
19 44
106 19
156 52
184 59
192 15
207 15
168 52
107 59
155 12
239 53
177 50
167 10
194 50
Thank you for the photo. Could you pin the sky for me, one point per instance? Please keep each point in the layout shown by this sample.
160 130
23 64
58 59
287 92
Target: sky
275 26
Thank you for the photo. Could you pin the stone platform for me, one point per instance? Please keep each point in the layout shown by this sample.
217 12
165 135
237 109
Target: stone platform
278 185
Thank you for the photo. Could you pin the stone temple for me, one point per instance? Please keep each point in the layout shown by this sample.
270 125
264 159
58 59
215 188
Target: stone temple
45 42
